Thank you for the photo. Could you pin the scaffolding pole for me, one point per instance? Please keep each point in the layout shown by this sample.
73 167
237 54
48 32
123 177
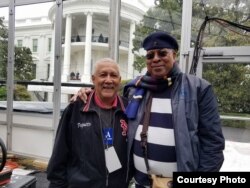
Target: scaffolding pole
114 29
57 65
185 35
10 73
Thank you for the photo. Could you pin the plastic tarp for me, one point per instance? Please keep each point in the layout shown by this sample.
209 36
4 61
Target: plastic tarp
32 106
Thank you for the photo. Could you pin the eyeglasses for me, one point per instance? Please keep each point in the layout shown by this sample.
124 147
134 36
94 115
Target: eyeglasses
161 53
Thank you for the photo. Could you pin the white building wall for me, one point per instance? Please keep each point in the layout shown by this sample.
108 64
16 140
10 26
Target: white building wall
29 29
42 29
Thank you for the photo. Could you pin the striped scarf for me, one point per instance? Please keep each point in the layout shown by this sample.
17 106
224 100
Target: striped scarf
144 83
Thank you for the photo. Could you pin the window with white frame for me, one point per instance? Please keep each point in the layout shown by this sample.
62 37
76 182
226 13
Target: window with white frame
34 45
19 43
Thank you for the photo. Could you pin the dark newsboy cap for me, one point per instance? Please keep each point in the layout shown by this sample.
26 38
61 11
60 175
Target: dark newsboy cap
159 40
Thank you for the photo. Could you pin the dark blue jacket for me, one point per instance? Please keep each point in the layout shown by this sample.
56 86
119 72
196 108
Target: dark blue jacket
197 127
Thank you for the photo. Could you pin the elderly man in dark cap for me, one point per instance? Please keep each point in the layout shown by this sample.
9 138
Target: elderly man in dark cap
174 124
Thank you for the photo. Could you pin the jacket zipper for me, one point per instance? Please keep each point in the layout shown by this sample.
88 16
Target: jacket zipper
129 151
107 174
175 85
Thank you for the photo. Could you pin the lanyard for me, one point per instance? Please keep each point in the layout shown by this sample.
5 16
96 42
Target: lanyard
107 127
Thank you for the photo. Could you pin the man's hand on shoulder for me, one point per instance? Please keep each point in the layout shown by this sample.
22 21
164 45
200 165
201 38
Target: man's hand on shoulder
82 94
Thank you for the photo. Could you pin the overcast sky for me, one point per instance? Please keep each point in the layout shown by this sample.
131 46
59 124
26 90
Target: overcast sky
36 10
28 11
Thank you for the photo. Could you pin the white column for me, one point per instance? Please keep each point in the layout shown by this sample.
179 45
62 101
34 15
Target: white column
41 69
87 58
130 69
67 49
52 54
52 60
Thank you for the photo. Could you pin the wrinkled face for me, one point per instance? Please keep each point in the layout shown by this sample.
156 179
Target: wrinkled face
160 62
107 80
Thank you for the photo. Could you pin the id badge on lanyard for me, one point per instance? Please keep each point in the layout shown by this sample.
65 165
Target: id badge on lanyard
112 161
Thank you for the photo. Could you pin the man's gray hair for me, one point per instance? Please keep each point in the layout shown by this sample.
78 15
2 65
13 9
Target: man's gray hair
106 59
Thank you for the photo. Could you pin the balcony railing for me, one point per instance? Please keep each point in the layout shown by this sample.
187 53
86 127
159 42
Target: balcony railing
99 39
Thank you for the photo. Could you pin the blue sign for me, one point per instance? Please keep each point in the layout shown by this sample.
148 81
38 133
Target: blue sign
108 136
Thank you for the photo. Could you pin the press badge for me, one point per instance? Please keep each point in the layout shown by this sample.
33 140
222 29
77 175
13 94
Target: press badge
112 161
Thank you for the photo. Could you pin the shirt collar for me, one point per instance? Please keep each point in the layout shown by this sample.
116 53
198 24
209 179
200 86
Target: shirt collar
102 105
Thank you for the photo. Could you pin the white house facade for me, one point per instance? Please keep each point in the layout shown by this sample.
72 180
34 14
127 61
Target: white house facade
85 36
36 33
